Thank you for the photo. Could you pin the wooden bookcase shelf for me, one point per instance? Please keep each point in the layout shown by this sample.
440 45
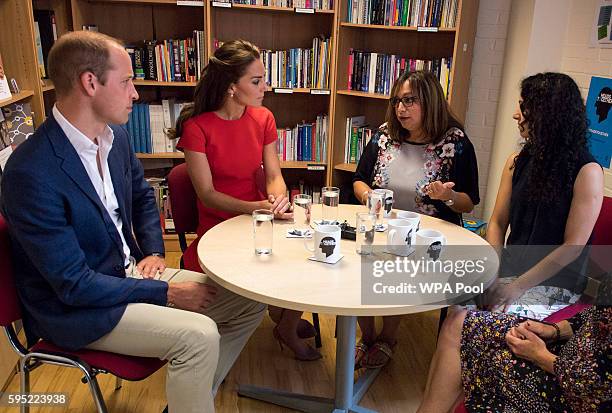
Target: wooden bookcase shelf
165 155
17 97
397 28
163 84
270 28
346 167
49 86
267 9
363 94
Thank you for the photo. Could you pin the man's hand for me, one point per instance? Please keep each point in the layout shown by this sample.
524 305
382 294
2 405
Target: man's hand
191 295
151 265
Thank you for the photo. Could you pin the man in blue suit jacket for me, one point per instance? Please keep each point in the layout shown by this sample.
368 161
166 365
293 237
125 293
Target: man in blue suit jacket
78 209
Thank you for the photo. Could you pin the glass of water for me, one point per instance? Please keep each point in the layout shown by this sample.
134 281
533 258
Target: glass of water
330 198
302 204
263 225
387 201
365 232
375 205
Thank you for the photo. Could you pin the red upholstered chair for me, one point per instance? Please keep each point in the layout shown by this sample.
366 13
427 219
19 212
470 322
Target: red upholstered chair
602 236
184 204
183 200
90 362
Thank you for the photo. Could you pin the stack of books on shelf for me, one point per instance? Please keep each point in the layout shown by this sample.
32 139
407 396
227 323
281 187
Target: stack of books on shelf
415 13
148 124
357 136
160 189
303 4
299 68
301 188
375 72
173 60
304 142
45 33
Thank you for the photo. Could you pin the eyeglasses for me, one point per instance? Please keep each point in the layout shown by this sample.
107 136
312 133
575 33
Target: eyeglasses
407 101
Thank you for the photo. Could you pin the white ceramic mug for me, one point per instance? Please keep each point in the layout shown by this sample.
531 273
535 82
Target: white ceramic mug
401 236
326 246
410 216
433 240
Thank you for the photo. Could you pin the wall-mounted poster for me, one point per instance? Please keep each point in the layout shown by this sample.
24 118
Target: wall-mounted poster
599 102
601 33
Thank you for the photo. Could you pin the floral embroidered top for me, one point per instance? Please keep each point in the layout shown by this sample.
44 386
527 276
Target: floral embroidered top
451 160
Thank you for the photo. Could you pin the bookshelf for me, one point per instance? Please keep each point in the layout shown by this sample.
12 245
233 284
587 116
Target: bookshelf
269 27
17 97
425 43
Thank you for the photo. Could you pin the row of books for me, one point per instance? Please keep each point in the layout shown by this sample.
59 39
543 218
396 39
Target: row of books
302 4
420 13
304 142
375 72
357 136
45 33
148 124
302 188
299 68
173 60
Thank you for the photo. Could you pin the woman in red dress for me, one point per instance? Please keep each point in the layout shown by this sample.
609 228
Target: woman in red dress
227 135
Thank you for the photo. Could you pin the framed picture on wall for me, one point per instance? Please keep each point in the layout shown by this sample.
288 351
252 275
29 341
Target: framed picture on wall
601 32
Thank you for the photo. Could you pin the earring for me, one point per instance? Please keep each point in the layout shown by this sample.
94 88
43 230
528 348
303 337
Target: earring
231 94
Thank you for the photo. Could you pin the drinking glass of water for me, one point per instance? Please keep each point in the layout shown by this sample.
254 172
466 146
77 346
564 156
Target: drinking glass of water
263 224
375 205
330 198
302 204
365 233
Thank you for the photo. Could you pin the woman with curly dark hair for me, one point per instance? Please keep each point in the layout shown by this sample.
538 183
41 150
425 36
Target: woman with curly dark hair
550 196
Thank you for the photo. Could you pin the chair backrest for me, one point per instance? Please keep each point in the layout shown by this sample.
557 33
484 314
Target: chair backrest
183 200
602 232
9 302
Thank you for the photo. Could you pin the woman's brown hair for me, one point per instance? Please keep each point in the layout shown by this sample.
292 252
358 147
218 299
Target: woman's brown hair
437 115
228 64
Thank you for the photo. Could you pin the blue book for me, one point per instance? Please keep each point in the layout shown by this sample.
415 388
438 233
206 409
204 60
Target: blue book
299 143
143 128
136 117
308 139
148 139
130 128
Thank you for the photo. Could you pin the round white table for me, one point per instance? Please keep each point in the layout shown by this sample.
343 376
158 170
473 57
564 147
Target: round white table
287 279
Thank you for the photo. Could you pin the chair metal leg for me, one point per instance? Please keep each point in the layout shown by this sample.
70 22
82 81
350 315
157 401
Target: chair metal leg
315 321
24 384
443 314
95 391
118 382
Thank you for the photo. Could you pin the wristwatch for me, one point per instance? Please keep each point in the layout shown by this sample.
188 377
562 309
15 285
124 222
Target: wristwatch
451 201
157 254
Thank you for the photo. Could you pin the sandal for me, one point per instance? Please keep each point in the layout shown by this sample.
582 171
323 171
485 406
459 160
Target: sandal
378 347
361 349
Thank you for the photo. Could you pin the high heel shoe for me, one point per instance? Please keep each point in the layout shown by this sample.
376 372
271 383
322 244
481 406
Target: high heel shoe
310 354
305 329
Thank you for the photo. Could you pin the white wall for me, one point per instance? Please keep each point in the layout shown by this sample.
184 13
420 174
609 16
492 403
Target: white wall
581 61
485 83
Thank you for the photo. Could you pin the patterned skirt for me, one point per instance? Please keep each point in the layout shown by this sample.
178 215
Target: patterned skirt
496 381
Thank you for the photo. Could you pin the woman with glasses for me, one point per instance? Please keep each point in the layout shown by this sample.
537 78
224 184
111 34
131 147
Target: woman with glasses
421 153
